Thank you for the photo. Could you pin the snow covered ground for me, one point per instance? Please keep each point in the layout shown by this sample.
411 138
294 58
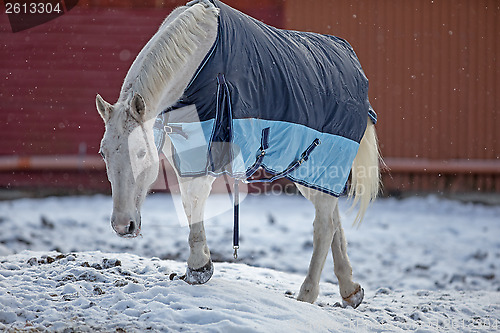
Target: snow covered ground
427 265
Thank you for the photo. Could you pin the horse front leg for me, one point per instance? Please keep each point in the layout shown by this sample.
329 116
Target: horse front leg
194 193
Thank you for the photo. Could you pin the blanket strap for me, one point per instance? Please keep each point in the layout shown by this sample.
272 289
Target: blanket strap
304 157
264 144
159 132
161 129
236 227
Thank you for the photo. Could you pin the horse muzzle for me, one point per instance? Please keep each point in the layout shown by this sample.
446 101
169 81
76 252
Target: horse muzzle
126 226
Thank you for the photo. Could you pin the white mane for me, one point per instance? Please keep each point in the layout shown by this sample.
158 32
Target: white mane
167 52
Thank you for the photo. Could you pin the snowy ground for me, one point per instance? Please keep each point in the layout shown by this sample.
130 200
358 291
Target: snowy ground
427 265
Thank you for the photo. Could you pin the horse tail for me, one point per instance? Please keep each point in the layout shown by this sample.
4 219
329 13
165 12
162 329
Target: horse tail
365 172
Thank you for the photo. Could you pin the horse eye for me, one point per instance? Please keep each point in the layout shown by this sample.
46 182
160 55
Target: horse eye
141 154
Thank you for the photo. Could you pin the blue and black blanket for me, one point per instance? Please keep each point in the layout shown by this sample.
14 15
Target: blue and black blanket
293 103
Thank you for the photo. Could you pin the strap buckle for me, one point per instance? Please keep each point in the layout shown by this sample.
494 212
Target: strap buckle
235 254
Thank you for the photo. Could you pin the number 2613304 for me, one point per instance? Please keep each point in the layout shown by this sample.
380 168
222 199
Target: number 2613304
32 8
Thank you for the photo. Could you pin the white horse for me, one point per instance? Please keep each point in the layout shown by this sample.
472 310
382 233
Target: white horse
156 79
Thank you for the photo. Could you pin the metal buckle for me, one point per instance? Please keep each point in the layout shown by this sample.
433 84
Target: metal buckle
168 129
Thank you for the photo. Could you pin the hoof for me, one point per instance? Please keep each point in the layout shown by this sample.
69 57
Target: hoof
354 299
200 275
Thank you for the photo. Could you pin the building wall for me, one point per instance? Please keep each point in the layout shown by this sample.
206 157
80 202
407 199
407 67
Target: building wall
50 75
434 82
432 67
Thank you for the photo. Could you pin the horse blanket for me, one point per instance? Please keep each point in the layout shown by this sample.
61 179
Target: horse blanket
293 103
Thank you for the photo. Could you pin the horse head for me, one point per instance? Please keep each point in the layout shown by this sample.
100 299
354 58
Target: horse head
131 159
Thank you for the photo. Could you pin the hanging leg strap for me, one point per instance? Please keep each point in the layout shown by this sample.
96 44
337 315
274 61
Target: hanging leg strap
236 227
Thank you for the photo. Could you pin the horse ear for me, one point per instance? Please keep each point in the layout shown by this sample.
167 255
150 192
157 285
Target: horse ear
138 108
103 107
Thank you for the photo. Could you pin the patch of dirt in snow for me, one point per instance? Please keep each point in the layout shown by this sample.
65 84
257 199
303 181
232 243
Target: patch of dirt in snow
95 291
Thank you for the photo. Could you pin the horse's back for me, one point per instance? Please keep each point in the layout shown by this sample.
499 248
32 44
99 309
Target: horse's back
283 75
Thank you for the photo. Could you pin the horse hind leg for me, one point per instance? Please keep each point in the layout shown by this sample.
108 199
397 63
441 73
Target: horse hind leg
322 240
351 292
194 192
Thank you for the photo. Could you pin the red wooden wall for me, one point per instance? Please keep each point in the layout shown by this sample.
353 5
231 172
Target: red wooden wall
50 75
432 65
434 82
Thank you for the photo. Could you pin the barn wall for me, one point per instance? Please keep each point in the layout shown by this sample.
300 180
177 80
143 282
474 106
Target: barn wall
432 67
433 72
50 75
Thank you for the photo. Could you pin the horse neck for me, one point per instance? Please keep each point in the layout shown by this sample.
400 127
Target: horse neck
162 81
174 89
